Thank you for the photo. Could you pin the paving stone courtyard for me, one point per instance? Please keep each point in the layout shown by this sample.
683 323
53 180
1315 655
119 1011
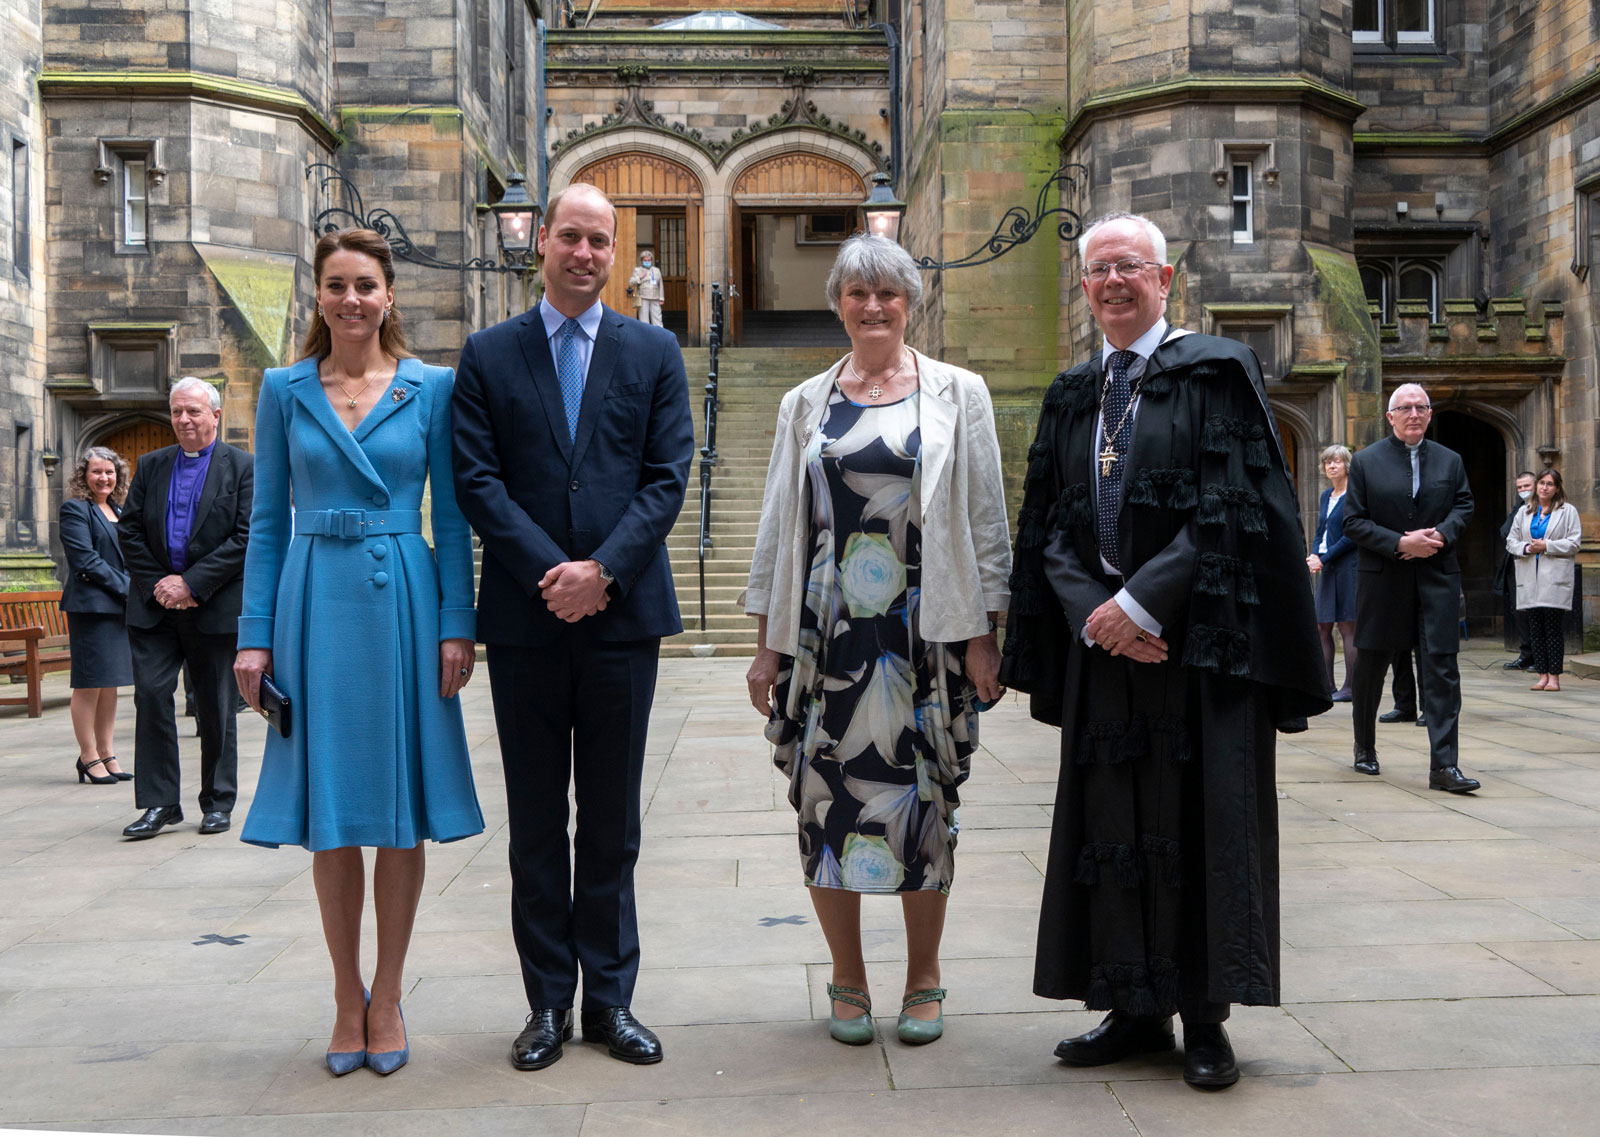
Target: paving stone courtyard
1441 955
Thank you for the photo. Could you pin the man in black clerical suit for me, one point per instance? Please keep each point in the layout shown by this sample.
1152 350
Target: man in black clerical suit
1160 617
572 446
1407 506
183 535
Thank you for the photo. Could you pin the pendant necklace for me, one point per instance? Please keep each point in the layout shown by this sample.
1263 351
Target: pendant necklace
875 392
351 399
1108 455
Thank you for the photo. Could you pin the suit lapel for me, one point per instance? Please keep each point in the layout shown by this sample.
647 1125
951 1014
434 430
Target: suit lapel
307 390
602 365
161 464
208 491
401 392
542 369
936 419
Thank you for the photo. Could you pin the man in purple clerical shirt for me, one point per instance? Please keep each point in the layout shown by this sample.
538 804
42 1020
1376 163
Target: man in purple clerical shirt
183 535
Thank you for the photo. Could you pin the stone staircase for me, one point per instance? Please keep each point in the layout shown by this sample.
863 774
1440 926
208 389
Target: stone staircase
751 382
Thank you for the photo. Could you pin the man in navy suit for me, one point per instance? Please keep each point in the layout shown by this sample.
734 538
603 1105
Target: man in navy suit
573 440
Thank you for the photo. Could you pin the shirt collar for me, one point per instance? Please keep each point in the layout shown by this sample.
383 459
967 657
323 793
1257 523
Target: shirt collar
588 320
1143 347
199 453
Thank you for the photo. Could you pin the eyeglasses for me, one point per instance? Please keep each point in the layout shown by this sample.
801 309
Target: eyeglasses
1099 270
1411 409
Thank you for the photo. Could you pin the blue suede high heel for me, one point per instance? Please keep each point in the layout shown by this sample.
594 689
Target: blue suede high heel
343 1062
388 1061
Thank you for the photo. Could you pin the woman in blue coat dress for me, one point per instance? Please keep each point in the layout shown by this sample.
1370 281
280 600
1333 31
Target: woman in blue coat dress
367 630
1333 563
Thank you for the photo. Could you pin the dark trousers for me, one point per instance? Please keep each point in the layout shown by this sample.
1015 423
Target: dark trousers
1404 685
1441 699
158 654
576 711
1547 644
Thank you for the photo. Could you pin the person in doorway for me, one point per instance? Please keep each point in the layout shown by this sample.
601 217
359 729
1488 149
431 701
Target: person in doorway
1334 565
95 599
1505 581
1544 539
878 576
647 289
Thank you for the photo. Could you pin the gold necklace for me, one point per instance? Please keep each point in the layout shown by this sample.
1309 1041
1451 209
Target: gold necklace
875 392
352 399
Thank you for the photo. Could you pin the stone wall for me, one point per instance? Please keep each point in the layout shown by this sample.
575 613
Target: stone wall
24 500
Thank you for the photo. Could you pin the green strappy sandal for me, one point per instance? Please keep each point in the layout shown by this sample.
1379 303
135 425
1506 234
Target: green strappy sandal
851 1032
919 1031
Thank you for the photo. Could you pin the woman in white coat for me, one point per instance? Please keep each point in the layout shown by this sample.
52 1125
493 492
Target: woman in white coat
1544 538
879 571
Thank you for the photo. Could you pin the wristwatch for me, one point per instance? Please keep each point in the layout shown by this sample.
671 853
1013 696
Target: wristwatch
605 573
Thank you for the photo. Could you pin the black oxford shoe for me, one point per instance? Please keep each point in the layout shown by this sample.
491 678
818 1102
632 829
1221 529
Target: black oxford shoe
1208 1062
539 1044
626 1038
216 822
1451 779
155 819
1118 1036
1518 664
1366 761
1397 715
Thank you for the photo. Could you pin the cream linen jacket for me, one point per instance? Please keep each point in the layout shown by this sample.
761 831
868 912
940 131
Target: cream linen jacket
1546 581
966 536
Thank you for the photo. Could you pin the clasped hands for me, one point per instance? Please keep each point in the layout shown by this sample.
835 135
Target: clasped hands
1112 628
573 590
173 592
1418 544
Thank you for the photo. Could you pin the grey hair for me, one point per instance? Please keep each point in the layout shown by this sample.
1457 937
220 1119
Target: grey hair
190 383
1158 240
1335 451
1408 387
874 261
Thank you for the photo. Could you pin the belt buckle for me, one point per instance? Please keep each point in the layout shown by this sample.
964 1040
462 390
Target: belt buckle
352 524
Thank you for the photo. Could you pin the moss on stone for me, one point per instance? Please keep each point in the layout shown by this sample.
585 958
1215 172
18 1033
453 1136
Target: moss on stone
1344 305
261 291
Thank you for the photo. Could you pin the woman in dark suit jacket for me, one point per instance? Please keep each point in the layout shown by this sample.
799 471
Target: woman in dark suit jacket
1333 563
95 599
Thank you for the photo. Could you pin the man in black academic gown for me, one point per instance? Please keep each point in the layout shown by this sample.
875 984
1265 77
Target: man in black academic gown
1160 615
1407 505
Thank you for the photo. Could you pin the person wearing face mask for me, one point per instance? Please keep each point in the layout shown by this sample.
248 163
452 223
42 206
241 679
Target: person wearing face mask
647 290
1544 539
1505 576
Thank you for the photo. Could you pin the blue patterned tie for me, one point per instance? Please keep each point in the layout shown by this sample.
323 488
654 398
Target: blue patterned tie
1108 494
569 371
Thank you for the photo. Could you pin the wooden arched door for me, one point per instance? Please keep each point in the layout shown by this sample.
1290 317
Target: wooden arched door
667 197
135 439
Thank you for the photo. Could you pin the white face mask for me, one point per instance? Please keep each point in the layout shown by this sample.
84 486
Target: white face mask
1524 494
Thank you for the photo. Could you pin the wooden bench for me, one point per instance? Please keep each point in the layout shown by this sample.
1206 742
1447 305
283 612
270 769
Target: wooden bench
33 640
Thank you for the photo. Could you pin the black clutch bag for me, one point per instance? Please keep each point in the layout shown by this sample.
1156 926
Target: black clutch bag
275 706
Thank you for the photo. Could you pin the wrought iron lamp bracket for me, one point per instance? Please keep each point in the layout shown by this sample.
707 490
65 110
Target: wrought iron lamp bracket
346 209
1018 226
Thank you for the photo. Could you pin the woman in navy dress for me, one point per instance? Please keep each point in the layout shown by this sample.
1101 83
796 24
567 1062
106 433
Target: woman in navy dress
367 630
1333 563
95 599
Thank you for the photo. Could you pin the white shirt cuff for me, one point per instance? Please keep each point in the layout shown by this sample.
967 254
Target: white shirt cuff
1135 612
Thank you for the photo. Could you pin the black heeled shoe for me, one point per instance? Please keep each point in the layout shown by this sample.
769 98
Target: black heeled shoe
120 775
85 776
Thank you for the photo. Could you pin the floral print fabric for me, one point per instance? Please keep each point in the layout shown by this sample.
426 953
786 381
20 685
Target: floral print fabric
873 726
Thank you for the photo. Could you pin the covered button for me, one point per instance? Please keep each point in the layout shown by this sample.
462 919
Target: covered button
380 579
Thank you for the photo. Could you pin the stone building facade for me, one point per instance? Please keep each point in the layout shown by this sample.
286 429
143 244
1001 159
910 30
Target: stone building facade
1365 193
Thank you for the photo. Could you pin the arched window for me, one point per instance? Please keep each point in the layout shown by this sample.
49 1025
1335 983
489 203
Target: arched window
1420 282
1375 283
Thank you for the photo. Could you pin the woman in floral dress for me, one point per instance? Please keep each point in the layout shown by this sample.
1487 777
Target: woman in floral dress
879 571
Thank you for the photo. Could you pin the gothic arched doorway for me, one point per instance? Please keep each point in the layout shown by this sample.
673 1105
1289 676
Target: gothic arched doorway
133 440
789 213
659 206
1480 549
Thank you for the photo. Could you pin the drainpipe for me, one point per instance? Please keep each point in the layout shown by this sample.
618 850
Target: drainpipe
541 116
893 40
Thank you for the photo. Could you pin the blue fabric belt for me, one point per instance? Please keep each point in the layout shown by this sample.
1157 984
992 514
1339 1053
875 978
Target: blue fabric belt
356 524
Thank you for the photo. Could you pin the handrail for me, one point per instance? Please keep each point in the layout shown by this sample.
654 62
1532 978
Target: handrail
708 452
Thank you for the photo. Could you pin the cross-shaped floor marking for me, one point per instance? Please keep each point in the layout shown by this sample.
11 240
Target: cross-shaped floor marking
774 921
213 938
